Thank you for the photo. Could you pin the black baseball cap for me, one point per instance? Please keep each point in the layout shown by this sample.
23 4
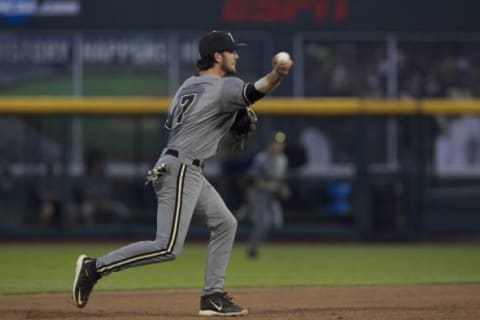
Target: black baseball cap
217 41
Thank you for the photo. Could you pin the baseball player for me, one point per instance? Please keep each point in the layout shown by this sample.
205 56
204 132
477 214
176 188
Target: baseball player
199 118
268 172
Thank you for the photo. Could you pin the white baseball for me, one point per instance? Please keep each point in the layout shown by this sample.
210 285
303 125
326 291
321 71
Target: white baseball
282 57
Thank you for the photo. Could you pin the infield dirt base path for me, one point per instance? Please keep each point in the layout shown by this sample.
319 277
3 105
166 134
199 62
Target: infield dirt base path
413 302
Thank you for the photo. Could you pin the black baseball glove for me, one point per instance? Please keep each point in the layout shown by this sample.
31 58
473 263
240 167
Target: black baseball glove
282 192
244 125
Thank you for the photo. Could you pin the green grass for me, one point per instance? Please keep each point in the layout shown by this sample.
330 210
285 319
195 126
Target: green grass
49 268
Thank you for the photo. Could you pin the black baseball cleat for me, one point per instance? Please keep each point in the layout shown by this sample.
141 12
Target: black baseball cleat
220 304
86 277
252 253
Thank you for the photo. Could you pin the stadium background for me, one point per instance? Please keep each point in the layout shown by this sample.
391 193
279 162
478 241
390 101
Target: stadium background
383 139
381 113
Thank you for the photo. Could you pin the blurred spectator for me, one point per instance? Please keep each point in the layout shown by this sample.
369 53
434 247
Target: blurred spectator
6 180
317 148
7 189
338 198
345 69
361 68
444 69
49 198
458 147
22 139
96 196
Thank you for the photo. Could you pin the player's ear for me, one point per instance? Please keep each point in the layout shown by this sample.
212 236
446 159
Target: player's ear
218 57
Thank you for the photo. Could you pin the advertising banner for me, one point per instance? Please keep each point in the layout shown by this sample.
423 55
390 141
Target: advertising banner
265 15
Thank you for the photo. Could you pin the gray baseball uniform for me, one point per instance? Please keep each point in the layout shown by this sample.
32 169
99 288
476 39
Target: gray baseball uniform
201 113
266 209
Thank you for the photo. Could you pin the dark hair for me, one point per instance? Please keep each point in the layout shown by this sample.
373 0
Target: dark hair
205 63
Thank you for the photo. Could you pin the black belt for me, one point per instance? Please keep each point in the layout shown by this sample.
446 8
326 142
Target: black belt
195 162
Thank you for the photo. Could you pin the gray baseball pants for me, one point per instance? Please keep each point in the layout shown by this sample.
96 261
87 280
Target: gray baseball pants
266 214
180 191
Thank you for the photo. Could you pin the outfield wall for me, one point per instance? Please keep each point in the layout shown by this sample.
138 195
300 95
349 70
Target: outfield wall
383 168
278 105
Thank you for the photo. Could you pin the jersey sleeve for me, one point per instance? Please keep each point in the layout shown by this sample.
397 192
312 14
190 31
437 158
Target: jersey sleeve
234 94
169 121
255 169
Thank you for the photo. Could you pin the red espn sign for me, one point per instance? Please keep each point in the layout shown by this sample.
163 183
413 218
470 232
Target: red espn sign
269 11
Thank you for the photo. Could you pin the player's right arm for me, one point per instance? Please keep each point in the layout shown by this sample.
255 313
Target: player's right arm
271 80
237 94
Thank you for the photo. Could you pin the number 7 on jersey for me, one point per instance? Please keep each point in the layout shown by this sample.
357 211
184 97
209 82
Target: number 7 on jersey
175 118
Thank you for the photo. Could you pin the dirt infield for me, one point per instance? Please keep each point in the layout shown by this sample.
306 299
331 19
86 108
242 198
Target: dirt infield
419 302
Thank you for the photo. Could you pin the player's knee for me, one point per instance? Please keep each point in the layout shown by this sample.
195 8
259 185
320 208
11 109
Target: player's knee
160 244
173 254
230 223
176 252
170 256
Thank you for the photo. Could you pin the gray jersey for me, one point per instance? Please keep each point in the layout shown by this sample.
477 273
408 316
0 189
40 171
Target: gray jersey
199 120
271 169
201 113
266 210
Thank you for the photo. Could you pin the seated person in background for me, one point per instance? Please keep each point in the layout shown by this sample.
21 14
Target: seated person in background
318 150
49 192
97 201
8 192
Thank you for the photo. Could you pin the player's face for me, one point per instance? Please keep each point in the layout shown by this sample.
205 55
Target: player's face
276 148
229 62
